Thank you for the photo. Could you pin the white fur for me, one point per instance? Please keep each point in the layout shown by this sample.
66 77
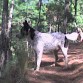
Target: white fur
45 42
73 36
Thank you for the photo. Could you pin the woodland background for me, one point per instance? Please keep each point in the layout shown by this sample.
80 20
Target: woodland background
43 15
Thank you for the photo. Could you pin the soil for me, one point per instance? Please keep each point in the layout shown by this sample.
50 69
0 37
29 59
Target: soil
49 73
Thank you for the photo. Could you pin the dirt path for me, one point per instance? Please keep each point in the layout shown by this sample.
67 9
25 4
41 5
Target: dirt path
50 74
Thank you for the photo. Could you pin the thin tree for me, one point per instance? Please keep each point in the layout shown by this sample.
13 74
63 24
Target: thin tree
5 44
75 7
10 16
5 48
39 5
66 11
68 17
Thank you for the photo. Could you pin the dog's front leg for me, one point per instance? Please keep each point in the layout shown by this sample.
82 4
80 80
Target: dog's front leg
38 58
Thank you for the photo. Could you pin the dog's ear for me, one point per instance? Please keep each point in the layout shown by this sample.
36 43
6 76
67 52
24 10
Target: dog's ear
26 21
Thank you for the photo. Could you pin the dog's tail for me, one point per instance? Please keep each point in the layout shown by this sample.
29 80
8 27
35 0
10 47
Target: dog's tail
73 36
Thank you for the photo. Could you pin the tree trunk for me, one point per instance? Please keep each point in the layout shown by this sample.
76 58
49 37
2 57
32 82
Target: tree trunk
58 21
5 45
75 7
39 21
66 12
10 16
4 35
9 34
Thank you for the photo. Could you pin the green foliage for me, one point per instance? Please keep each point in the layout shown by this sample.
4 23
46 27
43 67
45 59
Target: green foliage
55 8
79 16
29 10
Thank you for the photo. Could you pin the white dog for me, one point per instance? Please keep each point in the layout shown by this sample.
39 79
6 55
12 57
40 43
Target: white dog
42 42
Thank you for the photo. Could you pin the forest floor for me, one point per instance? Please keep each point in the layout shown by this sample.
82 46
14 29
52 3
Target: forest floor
49 73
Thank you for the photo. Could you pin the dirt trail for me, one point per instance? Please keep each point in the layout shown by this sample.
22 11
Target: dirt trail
50 74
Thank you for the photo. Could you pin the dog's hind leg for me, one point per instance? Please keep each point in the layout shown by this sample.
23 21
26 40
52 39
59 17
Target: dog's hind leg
56 56
64 50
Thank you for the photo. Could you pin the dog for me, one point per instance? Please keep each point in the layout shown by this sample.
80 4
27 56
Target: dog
45 42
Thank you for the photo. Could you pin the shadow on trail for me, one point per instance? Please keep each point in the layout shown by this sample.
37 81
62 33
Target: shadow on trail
43 64
50 73
74 74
